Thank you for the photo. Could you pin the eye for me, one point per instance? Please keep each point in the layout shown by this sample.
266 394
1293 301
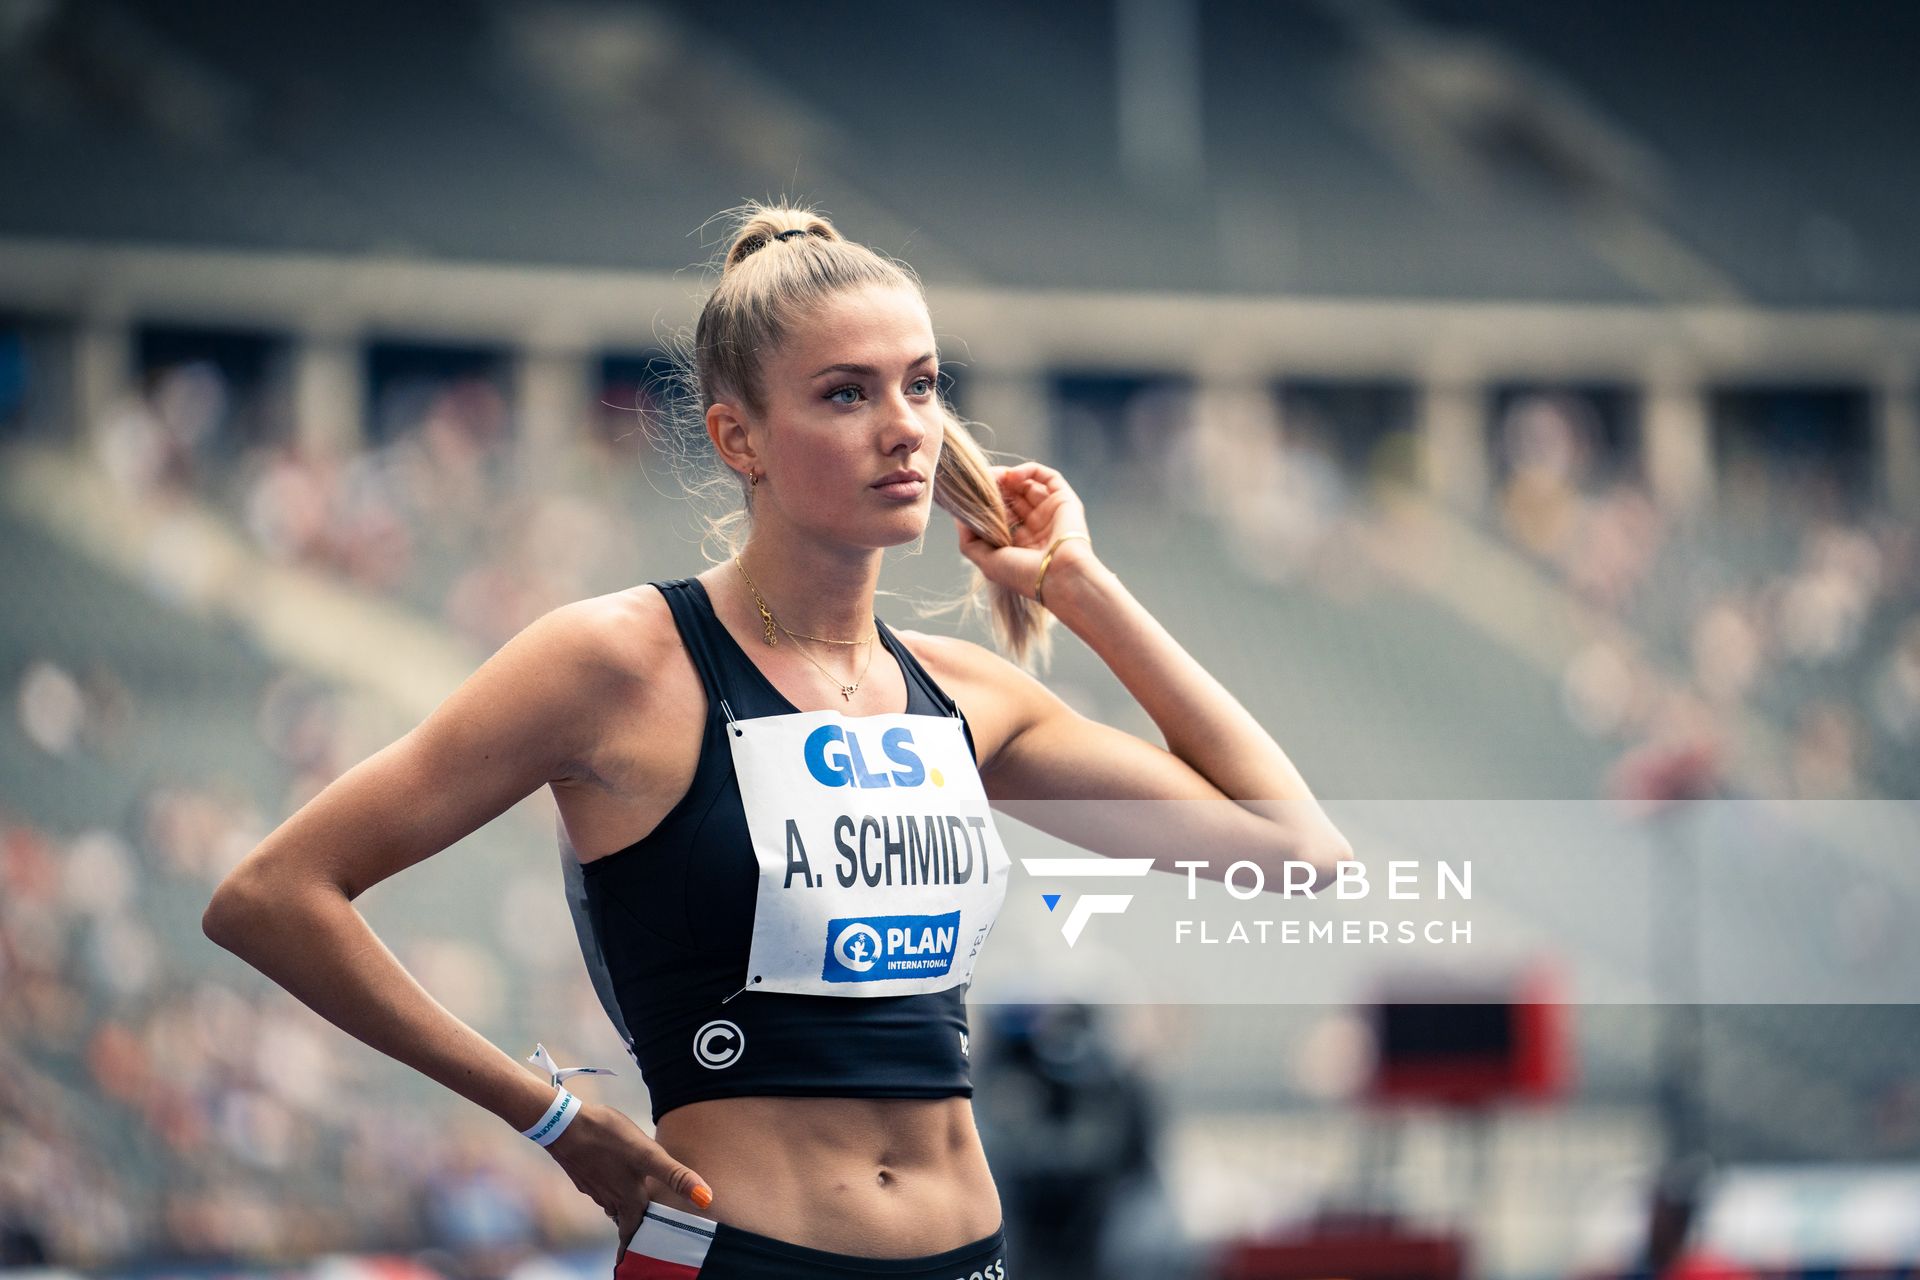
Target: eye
928 380
838 391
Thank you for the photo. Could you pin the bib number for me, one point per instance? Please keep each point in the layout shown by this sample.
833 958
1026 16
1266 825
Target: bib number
881 872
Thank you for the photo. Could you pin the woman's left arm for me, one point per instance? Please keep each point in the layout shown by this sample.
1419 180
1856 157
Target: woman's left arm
1216 751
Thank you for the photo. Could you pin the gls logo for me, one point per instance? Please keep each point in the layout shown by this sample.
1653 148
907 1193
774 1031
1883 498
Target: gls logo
1092 904
835 759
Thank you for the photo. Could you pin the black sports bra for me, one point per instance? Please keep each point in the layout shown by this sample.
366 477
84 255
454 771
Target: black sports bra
668 923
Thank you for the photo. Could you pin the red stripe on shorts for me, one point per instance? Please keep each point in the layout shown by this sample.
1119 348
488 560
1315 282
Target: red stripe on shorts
638 1266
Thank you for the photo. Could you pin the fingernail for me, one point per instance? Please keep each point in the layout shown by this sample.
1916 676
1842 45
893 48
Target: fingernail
701 1196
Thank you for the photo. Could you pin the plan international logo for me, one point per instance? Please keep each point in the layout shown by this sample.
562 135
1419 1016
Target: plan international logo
1088 905
872 948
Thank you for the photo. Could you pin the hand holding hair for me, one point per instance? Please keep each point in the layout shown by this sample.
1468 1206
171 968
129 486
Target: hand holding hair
1049 530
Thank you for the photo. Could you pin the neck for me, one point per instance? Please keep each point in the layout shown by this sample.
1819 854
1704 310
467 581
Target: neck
820 590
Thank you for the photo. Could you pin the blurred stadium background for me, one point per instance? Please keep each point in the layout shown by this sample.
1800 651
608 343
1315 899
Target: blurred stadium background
1508 400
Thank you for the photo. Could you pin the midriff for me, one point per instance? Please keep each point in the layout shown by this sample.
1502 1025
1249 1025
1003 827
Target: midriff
871 1177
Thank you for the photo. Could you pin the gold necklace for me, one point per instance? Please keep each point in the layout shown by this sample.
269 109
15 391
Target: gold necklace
769 622
846 690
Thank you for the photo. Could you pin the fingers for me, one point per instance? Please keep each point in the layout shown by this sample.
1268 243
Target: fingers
1024 497
1032 492
628 1220
683 1181
671 1175
1032 473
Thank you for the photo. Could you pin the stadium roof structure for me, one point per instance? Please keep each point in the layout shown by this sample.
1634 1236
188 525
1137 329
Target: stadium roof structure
1759 152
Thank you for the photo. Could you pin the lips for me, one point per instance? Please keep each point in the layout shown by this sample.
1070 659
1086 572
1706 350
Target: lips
904 485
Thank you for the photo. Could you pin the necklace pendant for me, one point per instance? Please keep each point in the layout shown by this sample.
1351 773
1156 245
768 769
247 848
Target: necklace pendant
848 690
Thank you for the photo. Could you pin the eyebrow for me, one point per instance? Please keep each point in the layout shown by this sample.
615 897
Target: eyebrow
866 370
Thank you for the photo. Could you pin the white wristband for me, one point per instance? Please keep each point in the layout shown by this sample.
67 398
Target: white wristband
565 1106
551 1125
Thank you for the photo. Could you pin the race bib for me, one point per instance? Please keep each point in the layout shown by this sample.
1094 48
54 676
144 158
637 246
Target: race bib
881 872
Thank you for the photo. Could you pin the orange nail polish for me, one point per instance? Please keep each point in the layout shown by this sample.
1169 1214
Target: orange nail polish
701 1196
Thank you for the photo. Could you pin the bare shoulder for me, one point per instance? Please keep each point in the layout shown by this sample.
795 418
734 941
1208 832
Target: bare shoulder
597 651
626 631
998 698
950 657
599 640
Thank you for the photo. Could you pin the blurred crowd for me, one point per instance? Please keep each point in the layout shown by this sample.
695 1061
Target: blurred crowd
158 1102
440 513
1788 600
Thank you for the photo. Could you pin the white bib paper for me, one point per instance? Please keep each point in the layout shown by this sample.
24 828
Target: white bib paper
881 872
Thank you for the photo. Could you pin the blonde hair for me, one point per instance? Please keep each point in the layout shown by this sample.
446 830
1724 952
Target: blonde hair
769 285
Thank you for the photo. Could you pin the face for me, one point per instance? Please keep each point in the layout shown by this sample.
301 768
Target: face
851 398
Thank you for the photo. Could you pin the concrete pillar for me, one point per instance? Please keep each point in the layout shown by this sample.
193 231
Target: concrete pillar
1158 94
1676 441
1453 441
1896 438
102 369
553 392
329 393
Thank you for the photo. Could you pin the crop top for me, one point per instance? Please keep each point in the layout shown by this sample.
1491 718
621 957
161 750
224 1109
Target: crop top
805 920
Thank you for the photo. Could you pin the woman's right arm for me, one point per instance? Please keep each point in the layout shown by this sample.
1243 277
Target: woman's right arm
524 719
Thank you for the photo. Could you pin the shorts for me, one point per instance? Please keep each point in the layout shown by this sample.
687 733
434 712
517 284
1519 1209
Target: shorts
675 1245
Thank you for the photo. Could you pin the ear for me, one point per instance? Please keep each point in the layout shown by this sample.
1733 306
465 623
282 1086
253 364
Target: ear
732 437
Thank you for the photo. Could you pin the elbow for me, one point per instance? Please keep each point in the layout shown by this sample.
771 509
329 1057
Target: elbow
220 921
253 904
1323 848
1326 855
1336 850
232 914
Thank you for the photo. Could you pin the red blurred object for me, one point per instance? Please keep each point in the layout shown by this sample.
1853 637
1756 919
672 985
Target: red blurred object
1472 1046
1655 777
1353 1253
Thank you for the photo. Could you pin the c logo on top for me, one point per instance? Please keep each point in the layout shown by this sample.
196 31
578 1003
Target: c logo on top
719 1044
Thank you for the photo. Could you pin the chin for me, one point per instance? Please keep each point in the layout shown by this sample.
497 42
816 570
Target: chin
904 527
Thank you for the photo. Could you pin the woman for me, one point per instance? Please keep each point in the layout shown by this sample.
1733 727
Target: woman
812 1107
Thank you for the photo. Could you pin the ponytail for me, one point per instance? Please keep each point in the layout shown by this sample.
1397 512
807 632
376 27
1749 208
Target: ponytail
964 486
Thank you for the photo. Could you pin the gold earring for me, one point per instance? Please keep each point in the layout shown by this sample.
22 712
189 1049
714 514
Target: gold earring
754 479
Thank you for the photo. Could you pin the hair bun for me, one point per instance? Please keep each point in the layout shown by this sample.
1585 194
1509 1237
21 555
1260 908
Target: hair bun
762 224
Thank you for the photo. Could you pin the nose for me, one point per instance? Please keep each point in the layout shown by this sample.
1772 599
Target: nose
904 429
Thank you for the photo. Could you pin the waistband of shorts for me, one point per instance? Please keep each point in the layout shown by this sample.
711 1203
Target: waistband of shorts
732 1237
